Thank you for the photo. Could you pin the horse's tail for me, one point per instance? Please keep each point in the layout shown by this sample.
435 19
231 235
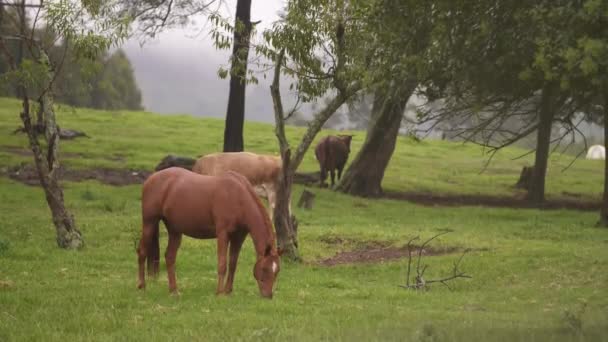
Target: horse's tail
329 157
149 247
319 152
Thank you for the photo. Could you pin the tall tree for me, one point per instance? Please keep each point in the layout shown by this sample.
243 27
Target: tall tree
315 44
235 114
114 87
364 175
105 82
399 38
34 78
496 69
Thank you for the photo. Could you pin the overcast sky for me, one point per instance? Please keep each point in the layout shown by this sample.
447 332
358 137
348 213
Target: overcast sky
177 71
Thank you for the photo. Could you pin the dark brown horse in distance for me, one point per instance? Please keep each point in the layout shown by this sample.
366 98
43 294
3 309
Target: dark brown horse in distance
206 207
332 153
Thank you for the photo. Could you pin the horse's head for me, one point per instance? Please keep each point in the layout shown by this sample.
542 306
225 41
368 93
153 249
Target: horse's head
346 140
266 270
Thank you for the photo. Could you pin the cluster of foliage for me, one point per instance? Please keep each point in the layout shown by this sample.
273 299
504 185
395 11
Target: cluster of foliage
104 81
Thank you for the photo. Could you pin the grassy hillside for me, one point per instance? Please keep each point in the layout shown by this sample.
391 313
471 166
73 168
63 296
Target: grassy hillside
537 275
139 140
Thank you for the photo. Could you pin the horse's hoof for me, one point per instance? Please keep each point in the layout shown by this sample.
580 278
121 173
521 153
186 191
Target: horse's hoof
175 293
141 286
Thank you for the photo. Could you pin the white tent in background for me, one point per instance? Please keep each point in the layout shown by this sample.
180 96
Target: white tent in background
596 152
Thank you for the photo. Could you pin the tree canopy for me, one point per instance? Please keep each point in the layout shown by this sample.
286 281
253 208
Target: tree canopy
104 81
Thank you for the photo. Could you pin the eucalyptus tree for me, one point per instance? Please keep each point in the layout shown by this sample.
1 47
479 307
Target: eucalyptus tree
89 27
317 43
235 112
578 59
398 41
504 60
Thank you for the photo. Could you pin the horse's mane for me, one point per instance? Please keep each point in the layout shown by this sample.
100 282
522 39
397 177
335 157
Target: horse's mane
258 203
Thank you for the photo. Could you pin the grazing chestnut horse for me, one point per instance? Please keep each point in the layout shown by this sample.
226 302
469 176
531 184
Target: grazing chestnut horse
263 171
332 154
206 207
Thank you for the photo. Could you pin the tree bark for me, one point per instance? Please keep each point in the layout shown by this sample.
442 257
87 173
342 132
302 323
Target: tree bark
604 211
284 223
47 165
235 114
364 175
21 13
536 195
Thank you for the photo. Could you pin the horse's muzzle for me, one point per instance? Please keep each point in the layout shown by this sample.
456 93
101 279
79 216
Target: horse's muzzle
266 295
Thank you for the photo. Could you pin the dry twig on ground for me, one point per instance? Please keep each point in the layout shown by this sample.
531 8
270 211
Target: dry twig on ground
419 283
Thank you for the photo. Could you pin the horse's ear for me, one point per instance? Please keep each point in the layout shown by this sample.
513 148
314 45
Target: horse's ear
280 251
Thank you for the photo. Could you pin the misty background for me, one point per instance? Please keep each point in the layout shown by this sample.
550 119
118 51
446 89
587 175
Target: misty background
177 74
177 70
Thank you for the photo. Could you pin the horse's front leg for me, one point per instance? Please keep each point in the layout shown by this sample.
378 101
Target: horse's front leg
175 240
222 248
236 242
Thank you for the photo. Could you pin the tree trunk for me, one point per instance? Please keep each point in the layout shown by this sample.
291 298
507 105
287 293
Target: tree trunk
47 165
536 195
235 114
604 211
284 223
364 175
21 13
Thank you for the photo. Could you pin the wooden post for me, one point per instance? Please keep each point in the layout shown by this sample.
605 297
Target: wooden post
306 199
525 178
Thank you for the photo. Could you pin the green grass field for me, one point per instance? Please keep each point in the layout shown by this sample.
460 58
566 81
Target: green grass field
537 275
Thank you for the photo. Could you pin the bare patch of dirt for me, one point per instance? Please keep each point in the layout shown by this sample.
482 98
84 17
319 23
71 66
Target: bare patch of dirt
27 173
376 251
449 200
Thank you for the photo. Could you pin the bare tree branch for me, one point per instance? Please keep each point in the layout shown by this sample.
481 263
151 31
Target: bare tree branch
419 282
409 259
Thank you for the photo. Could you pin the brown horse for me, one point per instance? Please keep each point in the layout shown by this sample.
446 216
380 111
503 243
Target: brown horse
263 171
332 154
206 207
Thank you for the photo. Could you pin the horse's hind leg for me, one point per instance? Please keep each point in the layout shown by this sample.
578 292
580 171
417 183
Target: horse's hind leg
222 248
154 253
236 242
175 240
322 176
333 177
340 171
147 234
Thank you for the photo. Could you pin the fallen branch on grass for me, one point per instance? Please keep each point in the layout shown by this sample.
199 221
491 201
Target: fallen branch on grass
419 283
64 134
